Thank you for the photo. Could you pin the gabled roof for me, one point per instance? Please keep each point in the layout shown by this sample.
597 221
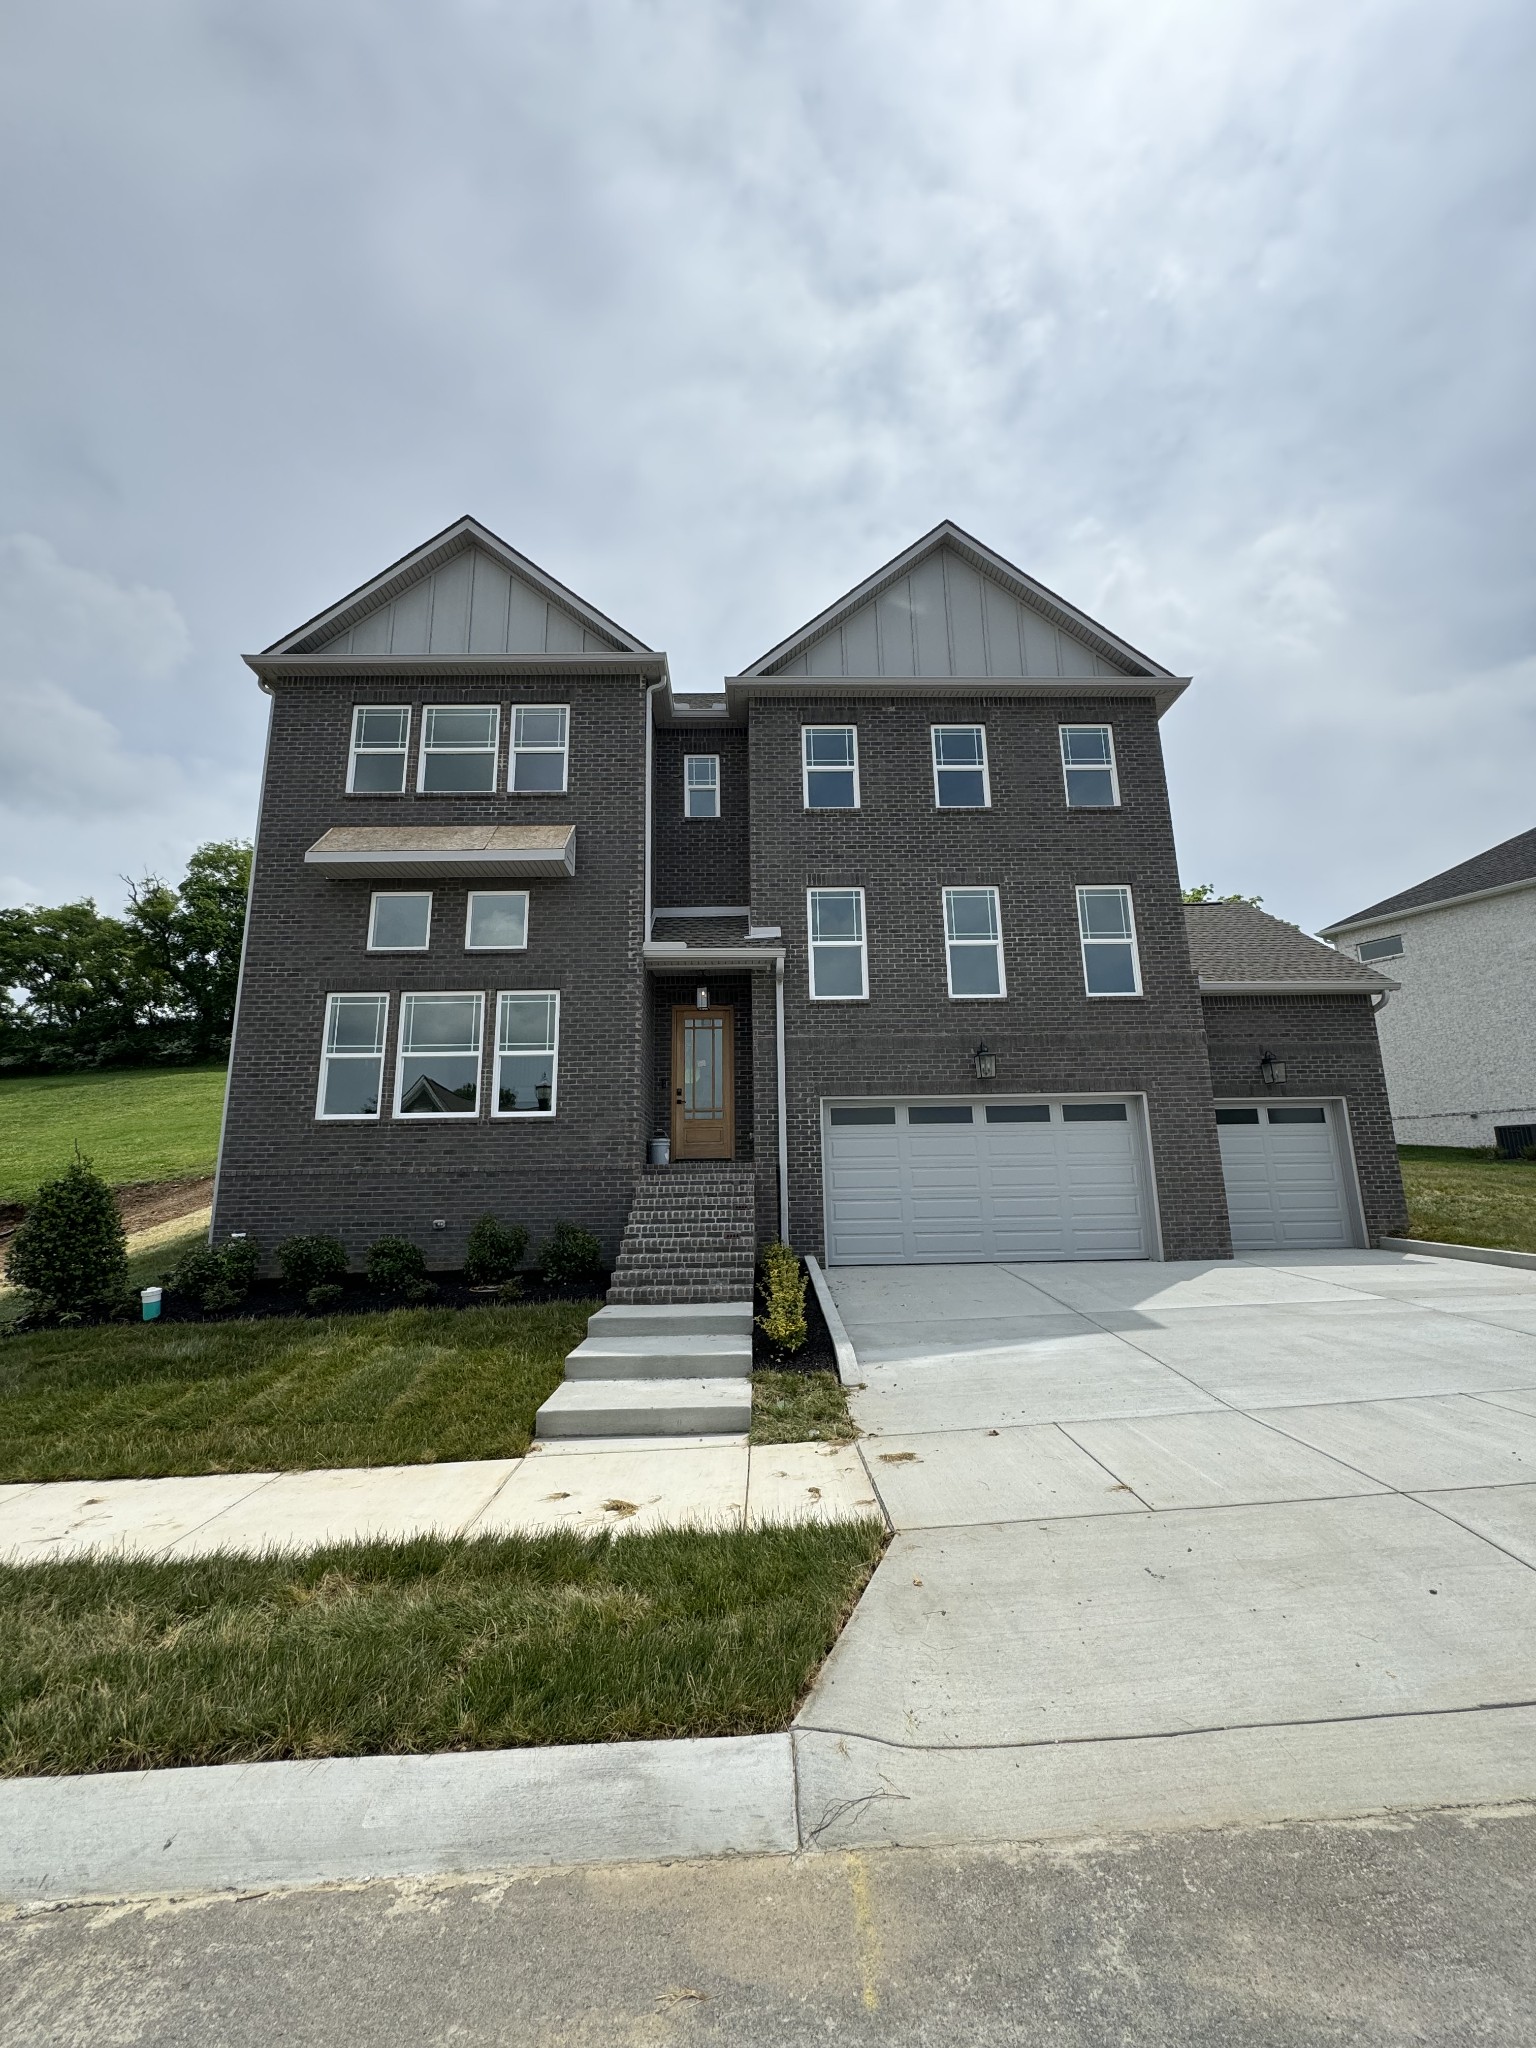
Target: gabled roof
464 595
1509 865
948 606
1238 949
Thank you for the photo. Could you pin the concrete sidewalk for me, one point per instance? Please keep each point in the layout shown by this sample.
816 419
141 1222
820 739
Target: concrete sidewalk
663 1485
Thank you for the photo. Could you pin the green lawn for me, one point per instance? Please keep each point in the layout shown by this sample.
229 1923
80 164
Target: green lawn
1457 1197
436 1644
144 1124
800 1408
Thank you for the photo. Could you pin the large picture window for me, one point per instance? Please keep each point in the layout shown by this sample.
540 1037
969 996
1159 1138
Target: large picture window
352 1057
458 748
960 768
381 739
527 1052
497 921
1107 925
400 921
830 754
701 785
1088 767
839 970
973 943
540 735
438 1069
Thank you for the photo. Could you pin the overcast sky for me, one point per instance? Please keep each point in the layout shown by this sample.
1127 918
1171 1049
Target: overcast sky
1216 317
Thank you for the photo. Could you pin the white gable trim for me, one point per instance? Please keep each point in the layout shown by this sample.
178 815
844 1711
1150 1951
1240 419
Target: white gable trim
1391 917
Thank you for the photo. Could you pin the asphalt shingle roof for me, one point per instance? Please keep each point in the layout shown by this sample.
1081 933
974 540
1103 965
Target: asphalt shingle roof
701 931
1234 942
1512 860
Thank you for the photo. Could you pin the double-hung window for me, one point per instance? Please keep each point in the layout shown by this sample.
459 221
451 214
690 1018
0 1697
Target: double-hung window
438 1070
1088 767
830 757
352 1057
960 768
1107 926
973 941
381 739
458 747
527 1052
400 921
701 785
497 921
540 750
839 970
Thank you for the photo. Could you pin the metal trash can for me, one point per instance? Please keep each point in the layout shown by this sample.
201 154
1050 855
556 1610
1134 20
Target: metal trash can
659 1152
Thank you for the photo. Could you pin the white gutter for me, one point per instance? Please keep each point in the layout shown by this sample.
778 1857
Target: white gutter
1382 984
778 1039
650 749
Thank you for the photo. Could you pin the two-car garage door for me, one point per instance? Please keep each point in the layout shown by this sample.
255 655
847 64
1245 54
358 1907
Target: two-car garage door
984 1180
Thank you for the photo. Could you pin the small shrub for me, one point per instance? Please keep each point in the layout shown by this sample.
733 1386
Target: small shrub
783 1319
509 1291
218 1277
395 1266
307 1262
324 1298
69 1254
570 1256
494 1252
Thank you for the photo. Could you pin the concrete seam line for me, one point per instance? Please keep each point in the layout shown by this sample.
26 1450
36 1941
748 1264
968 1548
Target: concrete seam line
1479 1254
847 1357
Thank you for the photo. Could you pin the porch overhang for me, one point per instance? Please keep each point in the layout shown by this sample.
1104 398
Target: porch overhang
490 852
677 958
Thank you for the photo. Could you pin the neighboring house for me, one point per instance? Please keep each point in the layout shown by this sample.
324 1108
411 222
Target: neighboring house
1459 1041
888 937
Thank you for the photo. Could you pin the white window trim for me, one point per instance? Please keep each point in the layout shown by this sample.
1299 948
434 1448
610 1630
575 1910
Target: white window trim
1113 764
469 911
975 945
525 1115
563 750
373 911
441 1116
847 945
1084 942
805 769
354 750
984 764
1392 941
703 817
423 750
362 1116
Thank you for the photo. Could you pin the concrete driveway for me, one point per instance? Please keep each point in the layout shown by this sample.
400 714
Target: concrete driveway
1185 1544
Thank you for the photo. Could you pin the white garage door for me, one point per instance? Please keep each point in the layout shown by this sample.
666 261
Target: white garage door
1284 1169
984 1180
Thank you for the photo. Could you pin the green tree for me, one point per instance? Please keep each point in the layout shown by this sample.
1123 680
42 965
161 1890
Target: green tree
1205 892
194 935
69 1254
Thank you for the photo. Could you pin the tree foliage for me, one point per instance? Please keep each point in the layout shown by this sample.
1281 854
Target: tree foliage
156 985
69 1254
1207 892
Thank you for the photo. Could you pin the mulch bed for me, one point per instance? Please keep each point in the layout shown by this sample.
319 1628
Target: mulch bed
817 1353
269 1298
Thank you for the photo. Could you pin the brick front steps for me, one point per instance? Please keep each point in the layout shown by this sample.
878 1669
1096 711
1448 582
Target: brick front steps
691 1236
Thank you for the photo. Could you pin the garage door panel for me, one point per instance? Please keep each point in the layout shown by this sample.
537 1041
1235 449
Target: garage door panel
1285 1181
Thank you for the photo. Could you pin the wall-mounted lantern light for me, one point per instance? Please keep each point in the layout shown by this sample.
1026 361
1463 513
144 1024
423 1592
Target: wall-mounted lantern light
701 998
985 1062
1271 1070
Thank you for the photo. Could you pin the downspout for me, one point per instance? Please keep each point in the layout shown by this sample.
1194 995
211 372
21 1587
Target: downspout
650 751
245 941
778 1039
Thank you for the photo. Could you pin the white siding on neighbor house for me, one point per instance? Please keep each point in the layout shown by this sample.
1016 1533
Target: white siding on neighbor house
471 605
1458 1039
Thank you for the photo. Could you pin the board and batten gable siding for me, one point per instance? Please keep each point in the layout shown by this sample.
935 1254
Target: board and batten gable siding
910 1038
1458 1038
698 861
469 604
282 1171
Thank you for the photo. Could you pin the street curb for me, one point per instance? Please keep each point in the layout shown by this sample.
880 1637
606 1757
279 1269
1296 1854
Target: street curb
847 1357
1479 1254
118 1834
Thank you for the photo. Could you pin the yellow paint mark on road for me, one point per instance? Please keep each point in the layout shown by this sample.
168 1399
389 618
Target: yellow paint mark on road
866 1934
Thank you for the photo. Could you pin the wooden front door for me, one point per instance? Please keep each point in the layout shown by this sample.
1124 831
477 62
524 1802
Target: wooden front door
703 1084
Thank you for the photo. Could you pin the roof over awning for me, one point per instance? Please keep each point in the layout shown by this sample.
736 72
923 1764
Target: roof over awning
391 852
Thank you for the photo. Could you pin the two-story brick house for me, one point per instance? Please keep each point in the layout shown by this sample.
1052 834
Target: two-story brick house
889 932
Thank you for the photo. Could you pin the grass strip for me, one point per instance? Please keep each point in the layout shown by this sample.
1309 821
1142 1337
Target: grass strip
799 1408
135 1124
1457 1197
411 1648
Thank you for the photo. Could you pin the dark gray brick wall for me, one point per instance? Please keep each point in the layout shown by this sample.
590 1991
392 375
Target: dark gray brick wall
1048 1035
1330 1048
699 860
282 1171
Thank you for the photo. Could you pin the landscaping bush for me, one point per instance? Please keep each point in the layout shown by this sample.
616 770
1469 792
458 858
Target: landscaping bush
70 1255
309 1262
570 1256
395 1266
323 1299
218 1278
494 1252
783 1319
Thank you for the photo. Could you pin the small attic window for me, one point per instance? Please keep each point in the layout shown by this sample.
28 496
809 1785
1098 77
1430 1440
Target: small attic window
1380 949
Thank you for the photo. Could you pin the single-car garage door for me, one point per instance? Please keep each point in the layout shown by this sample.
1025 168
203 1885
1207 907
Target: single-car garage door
914 1181
1284 1168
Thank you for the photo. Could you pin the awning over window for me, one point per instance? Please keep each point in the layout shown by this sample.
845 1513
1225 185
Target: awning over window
389 852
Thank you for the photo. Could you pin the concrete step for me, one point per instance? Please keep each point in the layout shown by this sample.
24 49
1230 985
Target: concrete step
646 1408
660 1358
677 1319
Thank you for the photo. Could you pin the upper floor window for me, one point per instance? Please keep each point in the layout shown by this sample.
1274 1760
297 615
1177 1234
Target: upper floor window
701 785
1107 925
400 921
1088 767
352 1057
960 768
381 738
831 767
539 749
1379 949
438 1071
973 940
839 971
497 921
458 747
